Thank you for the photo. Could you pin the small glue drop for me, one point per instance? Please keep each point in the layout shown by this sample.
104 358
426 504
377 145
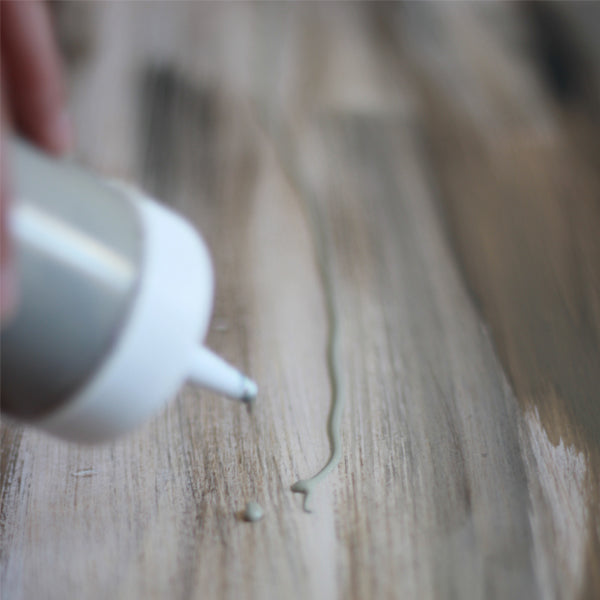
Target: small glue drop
253 512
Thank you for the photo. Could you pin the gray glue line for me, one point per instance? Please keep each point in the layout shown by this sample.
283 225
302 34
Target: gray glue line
285 155
306 486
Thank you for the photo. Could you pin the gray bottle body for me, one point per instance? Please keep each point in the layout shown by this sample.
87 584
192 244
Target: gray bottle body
78 247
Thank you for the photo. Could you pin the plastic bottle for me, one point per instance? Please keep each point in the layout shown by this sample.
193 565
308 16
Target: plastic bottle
115 300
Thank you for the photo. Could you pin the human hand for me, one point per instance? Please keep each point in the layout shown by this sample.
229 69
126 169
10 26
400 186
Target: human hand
32 100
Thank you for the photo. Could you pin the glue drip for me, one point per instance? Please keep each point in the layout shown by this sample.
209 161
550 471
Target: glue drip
306 486
322 260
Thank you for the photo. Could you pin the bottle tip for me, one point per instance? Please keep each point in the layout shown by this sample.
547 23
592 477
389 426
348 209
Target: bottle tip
250 390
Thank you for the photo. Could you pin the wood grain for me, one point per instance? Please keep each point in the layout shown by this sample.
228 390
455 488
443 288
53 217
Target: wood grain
521 200
365 158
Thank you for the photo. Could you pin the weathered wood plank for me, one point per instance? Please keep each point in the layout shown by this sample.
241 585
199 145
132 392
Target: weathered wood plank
521 200
326 166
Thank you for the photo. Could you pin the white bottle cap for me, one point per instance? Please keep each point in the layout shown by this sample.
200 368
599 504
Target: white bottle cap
158 347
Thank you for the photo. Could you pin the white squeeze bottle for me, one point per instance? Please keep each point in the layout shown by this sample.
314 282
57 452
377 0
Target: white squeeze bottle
115 301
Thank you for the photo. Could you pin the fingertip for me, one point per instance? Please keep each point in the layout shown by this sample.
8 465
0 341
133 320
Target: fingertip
57 133
33 73
8 273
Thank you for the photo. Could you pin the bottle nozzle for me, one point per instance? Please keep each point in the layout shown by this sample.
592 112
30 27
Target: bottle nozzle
212 372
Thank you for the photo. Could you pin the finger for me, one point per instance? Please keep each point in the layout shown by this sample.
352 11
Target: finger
8 288
33 74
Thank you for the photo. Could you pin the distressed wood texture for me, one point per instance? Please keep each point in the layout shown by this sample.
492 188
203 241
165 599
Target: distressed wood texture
430 174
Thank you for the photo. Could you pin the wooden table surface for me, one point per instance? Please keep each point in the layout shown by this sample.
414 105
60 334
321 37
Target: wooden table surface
412 188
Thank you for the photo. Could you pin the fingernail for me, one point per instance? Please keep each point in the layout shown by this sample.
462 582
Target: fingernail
60 133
